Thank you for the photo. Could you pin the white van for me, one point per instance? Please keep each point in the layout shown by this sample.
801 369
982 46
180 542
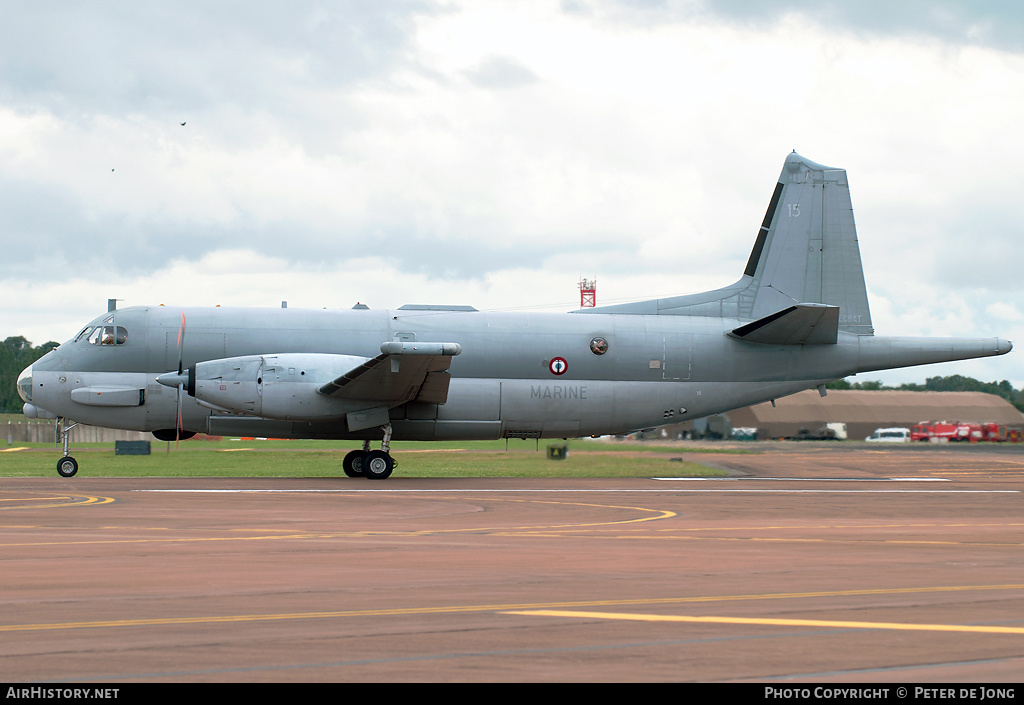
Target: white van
890 435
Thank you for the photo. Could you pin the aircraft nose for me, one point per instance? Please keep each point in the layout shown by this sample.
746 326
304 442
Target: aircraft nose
25 384
1003 346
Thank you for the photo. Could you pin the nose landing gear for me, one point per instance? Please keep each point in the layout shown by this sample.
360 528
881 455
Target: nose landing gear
66 466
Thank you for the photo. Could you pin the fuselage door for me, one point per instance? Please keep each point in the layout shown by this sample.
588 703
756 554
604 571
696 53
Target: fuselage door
677 356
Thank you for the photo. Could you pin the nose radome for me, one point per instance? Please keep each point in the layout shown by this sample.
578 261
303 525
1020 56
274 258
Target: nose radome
25 384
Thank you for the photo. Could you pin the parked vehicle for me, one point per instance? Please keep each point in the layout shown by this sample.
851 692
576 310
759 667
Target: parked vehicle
831 431
890 435
959 431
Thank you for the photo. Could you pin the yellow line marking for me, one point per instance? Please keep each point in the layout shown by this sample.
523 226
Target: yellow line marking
756 539
839 624
498 530
53 501
888 525
506 608
28 499
11 450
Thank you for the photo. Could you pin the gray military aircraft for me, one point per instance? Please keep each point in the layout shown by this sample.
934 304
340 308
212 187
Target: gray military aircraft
797 319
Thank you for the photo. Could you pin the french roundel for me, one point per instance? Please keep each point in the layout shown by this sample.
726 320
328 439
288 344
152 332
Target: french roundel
558 366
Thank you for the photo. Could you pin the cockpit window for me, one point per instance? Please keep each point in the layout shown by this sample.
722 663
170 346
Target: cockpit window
108 335
105 334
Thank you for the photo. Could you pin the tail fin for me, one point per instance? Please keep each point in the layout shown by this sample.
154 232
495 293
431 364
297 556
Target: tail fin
806 251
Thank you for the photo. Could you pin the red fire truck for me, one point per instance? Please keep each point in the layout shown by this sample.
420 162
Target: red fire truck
961 431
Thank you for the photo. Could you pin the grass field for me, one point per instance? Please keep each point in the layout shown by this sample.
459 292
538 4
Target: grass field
237 458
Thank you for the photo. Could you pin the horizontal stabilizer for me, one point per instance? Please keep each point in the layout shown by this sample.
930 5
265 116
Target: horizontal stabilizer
803 324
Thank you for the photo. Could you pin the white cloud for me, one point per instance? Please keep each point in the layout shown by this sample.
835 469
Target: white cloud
1004 311
492 153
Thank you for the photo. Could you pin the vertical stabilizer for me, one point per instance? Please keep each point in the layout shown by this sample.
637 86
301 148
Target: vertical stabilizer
806 252
807 249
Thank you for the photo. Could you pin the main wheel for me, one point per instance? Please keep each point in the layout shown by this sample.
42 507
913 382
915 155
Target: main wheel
67 466
377 465
353 463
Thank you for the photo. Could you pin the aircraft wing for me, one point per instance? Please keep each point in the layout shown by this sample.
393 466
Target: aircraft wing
403 372
802 324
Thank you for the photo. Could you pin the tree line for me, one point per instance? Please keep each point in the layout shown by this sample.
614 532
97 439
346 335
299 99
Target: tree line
952 383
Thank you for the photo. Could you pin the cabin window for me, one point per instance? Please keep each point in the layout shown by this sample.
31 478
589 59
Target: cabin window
599 346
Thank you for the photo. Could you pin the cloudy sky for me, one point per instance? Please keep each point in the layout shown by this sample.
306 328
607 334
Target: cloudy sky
491 153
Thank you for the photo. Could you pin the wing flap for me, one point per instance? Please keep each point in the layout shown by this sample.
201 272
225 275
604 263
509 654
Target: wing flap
402 372
802 324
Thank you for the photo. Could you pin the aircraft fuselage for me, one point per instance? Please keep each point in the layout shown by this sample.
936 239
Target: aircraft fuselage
518 375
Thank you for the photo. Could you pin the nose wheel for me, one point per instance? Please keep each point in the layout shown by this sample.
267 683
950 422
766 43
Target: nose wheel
67 466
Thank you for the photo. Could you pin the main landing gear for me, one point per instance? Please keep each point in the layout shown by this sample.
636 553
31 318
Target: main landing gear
371 464
66 466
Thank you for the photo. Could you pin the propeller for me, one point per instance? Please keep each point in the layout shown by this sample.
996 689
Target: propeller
181 384
177 380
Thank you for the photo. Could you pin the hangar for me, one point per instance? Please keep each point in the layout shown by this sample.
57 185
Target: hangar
863 411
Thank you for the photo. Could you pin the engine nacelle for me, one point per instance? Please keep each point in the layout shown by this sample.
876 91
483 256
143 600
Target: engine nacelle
281 386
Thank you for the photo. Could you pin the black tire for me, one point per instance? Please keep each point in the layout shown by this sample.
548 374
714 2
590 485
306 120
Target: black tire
377 465
353 463
67 466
